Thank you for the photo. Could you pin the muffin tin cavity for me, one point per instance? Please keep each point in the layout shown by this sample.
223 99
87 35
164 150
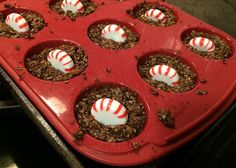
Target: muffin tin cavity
95 34
88 8
222 51
36 60
35 21
128 98
139 12
187 77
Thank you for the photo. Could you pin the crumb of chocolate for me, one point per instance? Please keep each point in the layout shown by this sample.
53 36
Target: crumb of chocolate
201 92
135 145
202 80
129 11
84 76
79 135
30 37
154 92
108 70
8 5
17 47
19 68
51 30
73 18
97 81
20 75
158 1
166 117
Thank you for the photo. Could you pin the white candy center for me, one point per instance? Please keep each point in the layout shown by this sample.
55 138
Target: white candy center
155 15
109 112
164 74
61 61
74 6
202 44
115 33
17 23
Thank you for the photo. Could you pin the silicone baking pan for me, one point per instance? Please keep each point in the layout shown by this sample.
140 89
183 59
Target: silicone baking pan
56 100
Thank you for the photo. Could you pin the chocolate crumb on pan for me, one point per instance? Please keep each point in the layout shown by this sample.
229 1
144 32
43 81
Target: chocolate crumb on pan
20 74
140 10
166 117
108 70
94 34
38 65
136 145
19 68
51 30
136 57
187 79
8 5
222 49
84 76
97 81
203 81
34 20
17 47
79 135
99 131
154 92
89 7
201 92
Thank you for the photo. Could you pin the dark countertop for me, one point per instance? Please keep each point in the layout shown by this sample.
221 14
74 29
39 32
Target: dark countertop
219 13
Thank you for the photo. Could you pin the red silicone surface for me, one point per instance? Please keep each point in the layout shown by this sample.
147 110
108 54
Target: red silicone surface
56 100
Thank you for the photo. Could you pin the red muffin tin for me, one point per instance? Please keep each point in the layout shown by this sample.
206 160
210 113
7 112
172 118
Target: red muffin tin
56 100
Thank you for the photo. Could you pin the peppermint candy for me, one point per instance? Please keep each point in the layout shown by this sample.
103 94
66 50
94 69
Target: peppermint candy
61 61
109 112
115 33
202 44
164 74
74 6
155 15
17 22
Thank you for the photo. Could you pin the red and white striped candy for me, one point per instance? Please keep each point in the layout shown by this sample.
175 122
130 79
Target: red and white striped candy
155 15
61 61
74 6
164 74
17 23
109 112
202 44
115 33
